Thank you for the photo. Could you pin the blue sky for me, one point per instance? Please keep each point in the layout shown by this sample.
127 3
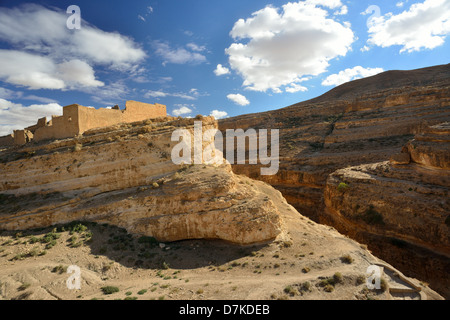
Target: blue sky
224 58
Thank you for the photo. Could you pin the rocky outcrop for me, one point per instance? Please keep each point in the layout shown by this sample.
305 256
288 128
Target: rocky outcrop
124 176
404 206
362 122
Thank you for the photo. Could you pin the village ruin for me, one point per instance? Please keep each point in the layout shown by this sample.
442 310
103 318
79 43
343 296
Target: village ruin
77 119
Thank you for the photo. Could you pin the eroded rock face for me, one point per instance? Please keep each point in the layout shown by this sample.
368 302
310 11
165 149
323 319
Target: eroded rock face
363 122
398 208
124 176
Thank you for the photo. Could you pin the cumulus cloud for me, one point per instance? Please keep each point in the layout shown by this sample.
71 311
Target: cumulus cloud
238 99
181 111
424 26
218 114
350 74
15 116
178 55
221 70
47 55
278 46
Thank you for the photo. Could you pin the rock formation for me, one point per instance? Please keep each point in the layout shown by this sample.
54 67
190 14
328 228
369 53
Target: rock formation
405 205
364 122
124 176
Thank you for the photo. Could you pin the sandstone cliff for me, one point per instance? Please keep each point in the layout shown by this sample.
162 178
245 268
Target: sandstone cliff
404 207
124 176
362 122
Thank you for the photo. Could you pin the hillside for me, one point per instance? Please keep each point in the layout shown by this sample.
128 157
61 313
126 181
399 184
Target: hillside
361 122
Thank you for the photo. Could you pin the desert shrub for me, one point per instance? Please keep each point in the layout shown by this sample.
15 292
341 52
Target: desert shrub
109 289
342 187
305 286
360 279
290 290
50 237
347 259
59 269
33 240
337 277
328 288
141 292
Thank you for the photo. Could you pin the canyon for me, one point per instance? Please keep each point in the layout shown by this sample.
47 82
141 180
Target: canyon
363 180
349 135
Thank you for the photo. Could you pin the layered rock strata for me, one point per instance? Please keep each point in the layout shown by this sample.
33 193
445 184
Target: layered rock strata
124 176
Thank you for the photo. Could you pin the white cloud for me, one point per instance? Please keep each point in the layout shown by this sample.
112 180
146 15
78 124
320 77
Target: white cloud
30 70
155 94
161 94
181 111
347 75
283 45
38 72
49 51
332 4
141 17
296 88
424 26
342 11
218 114
79 72
14 116
178 55
221 70
238 99
195 47
365 49
399 4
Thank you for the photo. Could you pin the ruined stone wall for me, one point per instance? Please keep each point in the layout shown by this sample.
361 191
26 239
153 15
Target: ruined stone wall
7 140
90 118
138 111
77 119
60 127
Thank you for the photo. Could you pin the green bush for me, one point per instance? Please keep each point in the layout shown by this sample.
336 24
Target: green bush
342 187
110 289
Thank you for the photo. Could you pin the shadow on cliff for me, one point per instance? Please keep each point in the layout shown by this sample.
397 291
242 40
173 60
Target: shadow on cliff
147 253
